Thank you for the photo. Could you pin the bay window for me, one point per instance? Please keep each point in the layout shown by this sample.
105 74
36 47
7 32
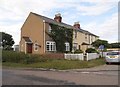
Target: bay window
50 46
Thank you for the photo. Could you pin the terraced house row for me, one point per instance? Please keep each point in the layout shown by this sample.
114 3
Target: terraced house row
36 37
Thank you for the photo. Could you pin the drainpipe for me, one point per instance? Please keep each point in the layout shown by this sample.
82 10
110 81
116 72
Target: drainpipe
25 48
44 35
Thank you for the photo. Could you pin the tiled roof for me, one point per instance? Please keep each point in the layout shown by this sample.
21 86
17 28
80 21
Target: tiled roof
49 20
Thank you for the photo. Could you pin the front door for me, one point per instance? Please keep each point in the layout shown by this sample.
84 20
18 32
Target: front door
29 48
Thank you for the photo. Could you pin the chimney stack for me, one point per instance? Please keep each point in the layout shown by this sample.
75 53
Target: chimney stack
77 25
58 17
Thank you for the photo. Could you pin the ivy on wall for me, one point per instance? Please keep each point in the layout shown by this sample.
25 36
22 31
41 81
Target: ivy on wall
61 35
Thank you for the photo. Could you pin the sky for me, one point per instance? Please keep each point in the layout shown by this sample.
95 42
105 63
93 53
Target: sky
100 17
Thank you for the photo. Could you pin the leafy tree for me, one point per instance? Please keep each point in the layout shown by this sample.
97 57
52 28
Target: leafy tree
115 45
7 41
99 42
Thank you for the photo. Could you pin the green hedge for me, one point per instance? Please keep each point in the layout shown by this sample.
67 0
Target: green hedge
91 50
78 51
19 57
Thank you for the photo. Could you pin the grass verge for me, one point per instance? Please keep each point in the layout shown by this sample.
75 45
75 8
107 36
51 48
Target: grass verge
58 64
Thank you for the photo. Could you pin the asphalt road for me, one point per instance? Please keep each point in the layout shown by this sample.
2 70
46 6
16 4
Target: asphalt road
102 75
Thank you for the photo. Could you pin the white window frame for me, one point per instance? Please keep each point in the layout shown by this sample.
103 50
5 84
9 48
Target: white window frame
50 46
67 46
49 29
36 46
86 37
75 46
75 33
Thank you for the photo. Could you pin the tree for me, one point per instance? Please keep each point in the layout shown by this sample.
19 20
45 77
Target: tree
115 45
7 41
99 42
91 50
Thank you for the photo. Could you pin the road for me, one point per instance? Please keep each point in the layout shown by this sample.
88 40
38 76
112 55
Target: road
102 75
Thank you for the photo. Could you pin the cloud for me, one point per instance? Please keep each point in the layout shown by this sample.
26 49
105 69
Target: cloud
14 13
110 28
13 30
107 30
97 8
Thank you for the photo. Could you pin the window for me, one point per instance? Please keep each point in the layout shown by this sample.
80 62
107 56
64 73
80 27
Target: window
85 36
50 46
49 29
91 39
75 34
36 47
75 46
67 46
66 34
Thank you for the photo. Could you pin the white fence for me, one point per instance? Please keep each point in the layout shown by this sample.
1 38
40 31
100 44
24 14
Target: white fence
91 56
74 56
88 57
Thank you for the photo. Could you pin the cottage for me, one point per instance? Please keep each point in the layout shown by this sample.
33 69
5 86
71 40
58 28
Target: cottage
35 37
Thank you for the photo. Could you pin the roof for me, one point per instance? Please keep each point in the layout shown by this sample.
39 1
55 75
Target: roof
85 43
27 39
49 20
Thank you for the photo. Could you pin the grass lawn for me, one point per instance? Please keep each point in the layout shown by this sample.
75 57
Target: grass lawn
58 64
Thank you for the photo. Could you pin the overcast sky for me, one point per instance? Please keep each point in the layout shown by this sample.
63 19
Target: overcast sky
100 17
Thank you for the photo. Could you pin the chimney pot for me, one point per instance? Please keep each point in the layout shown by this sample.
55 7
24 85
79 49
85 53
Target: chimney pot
77 25
58 17
58 14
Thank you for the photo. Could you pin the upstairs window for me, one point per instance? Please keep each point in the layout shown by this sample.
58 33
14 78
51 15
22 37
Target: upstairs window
66 34
91 39
75 34
49 29
85 36
50 46
67 46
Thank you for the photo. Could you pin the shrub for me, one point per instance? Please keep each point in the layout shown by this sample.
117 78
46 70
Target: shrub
78 51
11 56
19 57
91 50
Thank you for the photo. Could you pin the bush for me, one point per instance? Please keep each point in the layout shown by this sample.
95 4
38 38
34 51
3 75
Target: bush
91 50
19 57
11 56
78 51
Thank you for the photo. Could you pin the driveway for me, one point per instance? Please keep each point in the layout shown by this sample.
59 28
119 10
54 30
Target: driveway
102 75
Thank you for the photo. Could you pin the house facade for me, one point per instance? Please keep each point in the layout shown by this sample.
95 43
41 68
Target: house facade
82 39
35 40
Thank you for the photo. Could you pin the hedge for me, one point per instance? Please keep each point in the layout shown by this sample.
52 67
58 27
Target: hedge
19 57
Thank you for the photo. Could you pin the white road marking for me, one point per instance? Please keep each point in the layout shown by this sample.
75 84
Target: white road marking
85 72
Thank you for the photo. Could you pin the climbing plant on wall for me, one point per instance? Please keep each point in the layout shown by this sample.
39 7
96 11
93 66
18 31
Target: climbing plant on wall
60 35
